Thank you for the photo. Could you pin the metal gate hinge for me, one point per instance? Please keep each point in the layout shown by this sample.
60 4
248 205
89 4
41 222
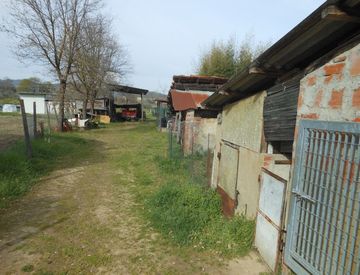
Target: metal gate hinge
301 196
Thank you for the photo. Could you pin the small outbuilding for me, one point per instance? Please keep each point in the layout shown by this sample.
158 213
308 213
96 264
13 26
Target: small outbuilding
287 148
194 124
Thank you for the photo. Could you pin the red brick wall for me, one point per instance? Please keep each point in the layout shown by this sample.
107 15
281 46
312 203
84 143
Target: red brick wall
332 92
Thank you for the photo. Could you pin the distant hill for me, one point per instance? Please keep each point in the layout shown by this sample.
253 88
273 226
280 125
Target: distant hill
156 95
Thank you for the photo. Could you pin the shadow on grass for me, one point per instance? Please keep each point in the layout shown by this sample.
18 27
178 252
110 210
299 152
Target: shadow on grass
18 174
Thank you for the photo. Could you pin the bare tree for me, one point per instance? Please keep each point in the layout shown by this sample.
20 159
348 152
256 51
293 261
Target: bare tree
48 31
99 61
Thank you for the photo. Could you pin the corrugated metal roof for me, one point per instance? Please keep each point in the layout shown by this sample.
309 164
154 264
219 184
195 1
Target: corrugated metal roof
182 101
197 83
127 89
315 36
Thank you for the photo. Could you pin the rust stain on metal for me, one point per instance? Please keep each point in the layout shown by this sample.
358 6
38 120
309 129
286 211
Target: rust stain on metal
186 101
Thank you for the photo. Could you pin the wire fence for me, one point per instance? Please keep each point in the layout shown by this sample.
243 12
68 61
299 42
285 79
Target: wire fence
193 148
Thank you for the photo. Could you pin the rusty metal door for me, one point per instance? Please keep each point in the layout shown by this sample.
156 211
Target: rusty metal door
323 225
269 217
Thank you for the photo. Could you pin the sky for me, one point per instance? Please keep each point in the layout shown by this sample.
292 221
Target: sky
166 37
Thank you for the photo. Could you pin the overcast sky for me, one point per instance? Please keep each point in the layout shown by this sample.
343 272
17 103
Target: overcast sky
166 37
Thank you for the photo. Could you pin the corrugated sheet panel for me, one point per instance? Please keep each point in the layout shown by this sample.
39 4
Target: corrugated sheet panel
182 101
280 110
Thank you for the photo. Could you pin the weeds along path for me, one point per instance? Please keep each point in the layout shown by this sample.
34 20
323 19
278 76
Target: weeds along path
87 219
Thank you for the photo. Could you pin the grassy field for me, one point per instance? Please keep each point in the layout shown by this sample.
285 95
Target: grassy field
18 174
11 128
101 201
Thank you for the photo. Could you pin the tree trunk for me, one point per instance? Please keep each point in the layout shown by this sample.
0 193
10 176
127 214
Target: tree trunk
85 103
92 106
62 104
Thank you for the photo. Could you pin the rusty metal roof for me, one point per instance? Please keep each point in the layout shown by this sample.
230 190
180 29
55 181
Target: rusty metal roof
182 101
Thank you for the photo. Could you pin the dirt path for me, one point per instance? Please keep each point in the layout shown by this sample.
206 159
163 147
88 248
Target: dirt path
85 219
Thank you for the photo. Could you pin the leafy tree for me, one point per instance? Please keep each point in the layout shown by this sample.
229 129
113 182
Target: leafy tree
226 58
34 85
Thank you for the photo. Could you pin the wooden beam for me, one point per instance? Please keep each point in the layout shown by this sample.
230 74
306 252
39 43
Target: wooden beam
256 70
283 162
222 92
263 71
334 13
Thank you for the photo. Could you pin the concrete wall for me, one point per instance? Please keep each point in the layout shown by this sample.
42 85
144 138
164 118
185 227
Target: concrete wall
242 122
204 137
242 126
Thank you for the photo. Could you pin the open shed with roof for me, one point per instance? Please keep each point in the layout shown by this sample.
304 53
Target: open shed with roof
128 102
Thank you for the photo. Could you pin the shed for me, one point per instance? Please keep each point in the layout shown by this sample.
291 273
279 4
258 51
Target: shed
295 102
38 98
119 90
161 113
194 124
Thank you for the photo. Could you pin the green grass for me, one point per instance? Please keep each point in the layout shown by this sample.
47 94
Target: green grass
190 214
179 205
18 173
27 268
10 114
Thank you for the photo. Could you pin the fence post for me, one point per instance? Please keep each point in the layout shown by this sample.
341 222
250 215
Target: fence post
48 119
35 119
26 130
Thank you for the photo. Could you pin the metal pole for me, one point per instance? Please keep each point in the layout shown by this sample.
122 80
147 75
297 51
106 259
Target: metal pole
26 130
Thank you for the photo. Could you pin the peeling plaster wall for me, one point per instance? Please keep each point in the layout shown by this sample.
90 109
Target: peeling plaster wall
199 133
242 124
332 92
205 134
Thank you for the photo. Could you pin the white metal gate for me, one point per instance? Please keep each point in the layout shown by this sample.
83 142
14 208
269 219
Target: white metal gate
323 227
269 217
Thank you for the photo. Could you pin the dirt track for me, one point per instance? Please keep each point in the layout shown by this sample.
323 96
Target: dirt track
85 219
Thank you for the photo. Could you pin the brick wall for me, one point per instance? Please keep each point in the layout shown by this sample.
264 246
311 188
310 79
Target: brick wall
188 132
199 133
332 92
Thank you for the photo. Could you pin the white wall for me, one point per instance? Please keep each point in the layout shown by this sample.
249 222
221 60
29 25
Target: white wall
28 102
